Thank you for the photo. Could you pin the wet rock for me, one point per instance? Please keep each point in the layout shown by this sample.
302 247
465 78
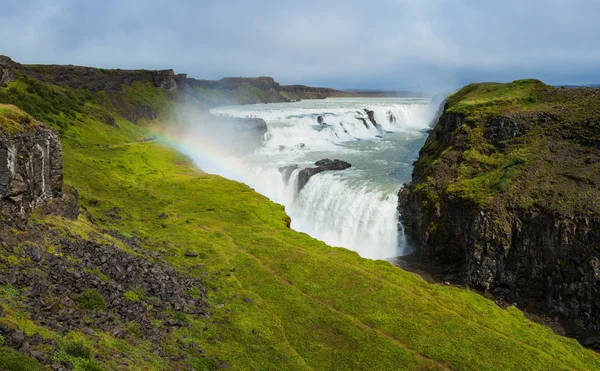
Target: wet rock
286 171
40 356
322 165
320 120
371 116
33 252
391 117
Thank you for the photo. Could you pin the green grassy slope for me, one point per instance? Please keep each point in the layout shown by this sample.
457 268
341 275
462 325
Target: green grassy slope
280 299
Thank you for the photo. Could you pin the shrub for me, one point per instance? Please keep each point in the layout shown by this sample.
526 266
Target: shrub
92 300
77 349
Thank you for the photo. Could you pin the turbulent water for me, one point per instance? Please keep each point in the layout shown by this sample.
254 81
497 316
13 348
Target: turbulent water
353 208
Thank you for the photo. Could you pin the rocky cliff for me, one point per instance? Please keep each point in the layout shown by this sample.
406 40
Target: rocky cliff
89 78
31 166
506 192
244 90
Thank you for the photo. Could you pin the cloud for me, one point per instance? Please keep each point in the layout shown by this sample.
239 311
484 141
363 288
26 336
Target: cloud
380 44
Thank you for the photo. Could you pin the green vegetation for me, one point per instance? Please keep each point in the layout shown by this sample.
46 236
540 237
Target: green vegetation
11 360
91 299
77 349
279 299
506 149
15 121
134 295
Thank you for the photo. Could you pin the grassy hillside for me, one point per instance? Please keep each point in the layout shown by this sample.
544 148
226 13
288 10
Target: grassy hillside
278 299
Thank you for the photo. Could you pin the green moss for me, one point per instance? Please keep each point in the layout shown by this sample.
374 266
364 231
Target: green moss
15 121
92 300
133 296
9 291
484 98
11 360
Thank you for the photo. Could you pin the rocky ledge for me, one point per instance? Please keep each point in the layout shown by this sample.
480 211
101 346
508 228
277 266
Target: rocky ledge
505 196
305 174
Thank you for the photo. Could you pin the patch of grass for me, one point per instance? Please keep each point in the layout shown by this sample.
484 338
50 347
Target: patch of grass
133 295
14 121
11 360
9 291
92 300
77 349
96 272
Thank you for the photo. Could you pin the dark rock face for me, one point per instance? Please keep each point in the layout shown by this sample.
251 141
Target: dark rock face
504 128
537 256
90 78
30 170
6 73
322 165
531 254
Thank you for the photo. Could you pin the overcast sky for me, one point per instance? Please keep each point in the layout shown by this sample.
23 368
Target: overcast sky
389 44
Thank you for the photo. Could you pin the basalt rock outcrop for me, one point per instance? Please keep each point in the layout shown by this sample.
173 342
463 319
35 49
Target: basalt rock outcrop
30 170
90 78
506 192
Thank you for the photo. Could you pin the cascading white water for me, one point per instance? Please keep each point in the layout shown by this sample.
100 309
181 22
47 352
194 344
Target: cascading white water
358 218
354 208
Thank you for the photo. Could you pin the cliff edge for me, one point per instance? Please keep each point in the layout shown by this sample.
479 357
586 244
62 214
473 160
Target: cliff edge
506 192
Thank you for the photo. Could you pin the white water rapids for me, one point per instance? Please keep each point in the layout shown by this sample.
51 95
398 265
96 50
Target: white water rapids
353 208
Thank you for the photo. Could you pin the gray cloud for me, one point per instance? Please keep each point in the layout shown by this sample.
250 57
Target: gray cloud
415 44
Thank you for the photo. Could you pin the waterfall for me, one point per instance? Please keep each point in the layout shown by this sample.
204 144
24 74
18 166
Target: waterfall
353 208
